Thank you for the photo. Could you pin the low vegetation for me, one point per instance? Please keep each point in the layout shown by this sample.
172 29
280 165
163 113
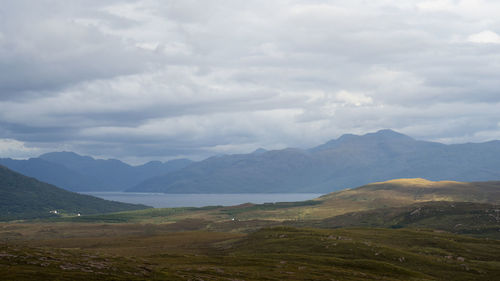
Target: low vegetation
279 253
478 219
384 231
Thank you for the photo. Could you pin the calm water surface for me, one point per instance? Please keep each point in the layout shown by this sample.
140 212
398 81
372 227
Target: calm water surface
162 200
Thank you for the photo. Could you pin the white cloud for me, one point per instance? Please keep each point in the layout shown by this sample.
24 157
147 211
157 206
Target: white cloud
16 149
485 37
355 99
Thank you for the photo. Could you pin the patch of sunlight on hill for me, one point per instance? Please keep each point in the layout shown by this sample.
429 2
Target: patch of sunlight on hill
418 182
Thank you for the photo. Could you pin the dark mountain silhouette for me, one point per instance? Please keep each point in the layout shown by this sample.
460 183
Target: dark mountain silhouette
23 197
83 173
348 161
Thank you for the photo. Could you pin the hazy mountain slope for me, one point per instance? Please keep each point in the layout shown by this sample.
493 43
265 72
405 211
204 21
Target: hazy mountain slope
83 173
346 162
23 197
275 171
46 171
106 174
156 168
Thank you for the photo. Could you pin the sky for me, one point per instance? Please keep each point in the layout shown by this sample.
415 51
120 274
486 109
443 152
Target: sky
159 79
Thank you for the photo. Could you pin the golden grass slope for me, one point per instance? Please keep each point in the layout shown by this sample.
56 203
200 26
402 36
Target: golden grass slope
401 192
393 193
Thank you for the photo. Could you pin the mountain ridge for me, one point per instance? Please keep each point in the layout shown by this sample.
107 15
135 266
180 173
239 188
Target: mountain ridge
75 172
348 161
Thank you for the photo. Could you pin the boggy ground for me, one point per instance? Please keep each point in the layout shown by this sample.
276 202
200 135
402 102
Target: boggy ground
78 251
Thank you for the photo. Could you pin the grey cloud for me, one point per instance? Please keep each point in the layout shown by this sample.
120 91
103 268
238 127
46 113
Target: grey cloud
45 49
159 79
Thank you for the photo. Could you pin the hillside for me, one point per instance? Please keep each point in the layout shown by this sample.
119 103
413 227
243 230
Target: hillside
390 194
23 197
74 172
410 190
346 162
402 192
455 217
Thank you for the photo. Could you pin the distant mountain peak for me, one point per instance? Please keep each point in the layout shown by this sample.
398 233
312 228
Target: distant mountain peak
387 133
381 135
346 137
259 150
60 155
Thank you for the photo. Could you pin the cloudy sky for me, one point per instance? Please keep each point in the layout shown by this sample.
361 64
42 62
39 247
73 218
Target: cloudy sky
155 79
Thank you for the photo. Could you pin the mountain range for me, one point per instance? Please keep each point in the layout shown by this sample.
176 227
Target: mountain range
74 172
349 161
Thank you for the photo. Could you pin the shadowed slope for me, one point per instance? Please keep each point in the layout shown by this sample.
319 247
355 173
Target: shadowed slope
23 197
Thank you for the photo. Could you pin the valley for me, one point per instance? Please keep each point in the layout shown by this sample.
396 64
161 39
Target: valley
406 229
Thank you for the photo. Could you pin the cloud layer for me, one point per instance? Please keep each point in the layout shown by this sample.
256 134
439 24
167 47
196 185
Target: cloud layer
146 79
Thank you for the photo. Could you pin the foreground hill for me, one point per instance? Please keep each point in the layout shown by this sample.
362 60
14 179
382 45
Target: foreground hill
23 197
83 173
346 162
136 252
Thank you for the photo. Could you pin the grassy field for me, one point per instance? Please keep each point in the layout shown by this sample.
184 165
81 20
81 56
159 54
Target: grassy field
129 252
